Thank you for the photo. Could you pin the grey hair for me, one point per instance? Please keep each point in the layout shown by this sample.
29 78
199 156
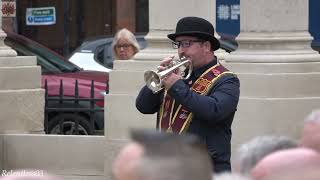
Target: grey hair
254 150
314 116
172 157
124 34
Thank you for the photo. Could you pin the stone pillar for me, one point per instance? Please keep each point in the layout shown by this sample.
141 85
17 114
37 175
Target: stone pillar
278 70
21 96
127 77
272 33
5 51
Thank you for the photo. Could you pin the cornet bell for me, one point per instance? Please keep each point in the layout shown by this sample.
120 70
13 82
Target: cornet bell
153 79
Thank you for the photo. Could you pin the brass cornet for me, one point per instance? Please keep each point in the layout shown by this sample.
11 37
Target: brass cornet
153 79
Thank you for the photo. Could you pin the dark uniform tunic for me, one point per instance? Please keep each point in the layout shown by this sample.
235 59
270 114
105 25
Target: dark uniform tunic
212 114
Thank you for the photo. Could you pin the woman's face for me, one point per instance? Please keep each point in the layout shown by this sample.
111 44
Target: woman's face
124 49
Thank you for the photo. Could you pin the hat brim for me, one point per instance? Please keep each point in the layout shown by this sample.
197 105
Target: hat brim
214 41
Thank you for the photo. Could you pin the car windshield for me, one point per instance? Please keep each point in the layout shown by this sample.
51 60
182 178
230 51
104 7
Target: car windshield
49 61
101 49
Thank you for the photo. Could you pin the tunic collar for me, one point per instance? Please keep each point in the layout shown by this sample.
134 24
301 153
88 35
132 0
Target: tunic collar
196 73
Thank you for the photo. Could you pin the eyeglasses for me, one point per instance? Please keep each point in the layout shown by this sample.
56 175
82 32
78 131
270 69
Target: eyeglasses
124 46
184 43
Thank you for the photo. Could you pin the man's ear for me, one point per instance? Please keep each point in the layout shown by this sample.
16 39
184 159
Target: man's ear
207 45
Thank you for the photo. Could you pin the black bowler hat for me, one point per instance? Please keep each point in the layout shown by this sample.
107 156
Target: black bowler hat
196 27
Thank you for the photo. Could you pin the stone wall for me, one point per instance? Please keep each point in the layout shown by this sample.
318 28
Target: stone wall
71 157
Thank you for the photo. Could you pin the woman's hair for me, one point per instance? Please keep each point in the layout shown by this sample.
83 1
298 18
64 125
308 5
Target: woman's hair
124 34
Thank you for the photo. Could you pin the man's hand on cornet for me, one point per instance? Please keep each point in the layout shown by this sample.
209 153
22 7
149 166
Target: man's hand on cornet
171 77
165 63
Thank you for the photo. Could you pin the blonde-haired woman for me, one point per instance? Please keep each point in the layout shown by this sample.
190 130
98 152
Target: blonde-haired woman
124 45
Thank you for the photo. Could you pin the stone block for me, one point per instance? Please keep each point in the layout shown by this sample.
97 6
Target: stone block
275 15
68 156
74 177
18 61
268 68
20 77
22 111
126 82
121 115
112 148
280 85
133 65
1 153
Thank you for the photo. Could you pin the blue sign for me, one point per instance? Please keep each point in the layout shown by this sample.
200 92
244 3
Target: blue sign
41 16
314 25
228 18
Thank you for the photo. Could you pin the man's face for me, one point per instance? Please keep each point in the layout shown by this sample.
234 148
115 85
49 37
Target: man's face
126 161
193 49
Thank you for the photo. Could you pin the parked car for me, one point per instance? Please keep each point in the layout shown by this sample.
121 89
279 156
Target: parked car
228 42
96 53
56 71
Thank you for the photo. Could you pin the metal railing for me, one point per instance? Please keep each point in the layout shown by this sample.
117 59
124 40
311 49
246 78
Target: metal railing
83 109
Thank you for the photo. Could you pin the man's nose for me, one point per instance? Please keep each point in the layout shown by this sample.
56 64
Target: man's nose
181 50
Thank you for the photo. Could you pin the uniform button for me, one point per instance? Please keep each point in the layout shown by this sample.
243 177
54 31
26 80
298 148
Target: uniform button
177 89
